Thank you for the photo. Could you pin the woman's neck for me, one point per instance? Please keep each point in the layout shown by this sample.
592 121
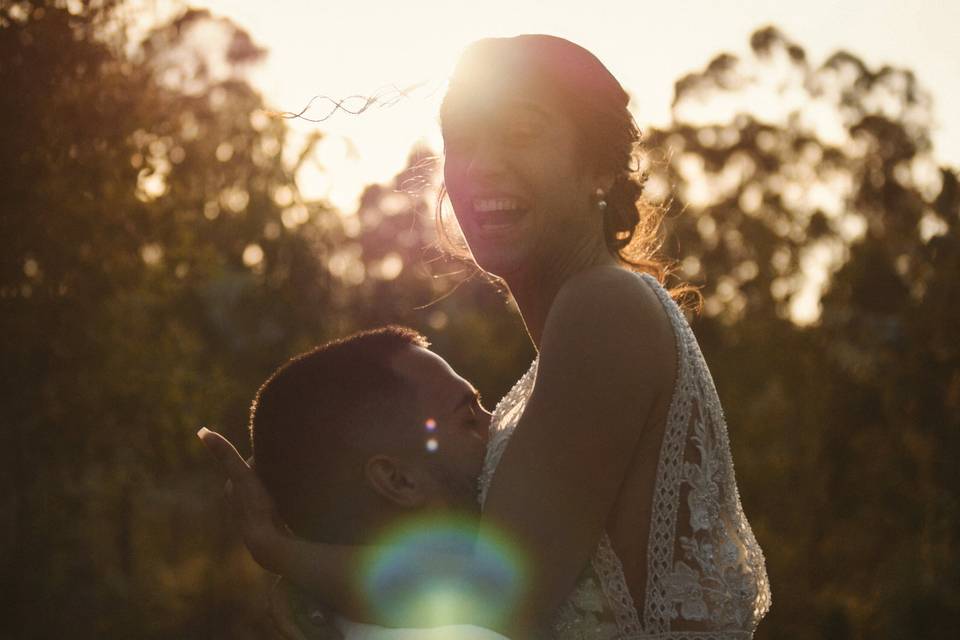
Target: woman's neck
535 290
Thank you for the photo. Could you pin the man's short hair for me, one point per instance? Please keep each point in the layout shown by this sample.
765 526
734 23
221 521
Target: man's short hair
315 418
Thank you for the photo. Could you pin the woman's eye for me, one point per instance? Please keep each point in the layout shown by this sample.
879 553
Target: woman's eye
521 131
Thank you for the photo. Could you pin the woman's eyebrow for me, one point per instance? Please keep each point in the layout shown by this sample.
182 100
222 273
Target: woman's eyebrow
530 105
502 111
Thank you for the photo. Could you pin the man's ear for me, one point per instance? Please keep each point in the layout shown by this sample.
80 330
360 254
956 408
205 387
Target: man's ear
394 480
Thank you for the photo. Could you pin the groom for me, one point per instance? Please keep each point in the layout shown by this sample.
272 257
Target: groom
354 436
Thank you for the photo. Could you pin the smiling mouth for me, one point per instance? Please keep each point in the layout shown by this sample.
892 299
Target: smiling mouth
497 214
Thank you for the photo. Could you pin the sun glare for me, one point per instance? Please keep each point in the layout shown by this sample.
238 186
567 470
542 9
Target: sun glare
405 51
390 62
400 53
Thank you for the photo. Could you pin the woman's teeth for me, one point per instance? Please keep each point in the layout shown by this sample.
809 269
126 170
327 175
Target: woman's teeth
485 205
497 213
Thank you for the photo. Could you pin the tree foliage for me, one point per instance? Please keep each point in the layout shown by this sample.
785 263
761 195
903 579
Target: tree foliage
787 181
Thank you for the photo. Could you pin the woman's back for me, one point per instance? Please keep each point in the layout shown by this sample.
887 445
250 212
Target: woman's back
677 555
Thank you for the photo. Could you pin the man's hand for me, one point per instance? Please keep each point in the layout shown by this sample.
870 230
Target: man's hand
297 617
252 507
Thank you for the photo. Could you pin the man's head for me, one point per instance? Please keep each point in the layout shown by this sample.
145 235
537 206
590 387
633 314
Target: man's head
353 434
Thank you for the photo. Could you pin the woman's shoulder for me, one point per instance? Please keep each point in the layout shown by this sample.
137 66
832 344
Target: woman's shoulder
614 306
610 293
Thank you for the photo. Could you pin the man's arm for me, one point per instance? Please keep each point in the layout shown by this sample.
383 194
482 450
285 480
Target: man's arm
335 574
297 616
328 572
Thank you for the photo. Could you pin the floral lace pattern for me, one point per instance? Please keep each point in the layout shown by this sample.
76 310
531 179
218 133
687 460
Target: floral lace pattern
706 573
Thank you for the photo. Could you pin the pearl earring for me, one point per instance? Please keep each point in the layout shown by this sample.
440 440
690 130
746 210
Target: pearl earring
601 199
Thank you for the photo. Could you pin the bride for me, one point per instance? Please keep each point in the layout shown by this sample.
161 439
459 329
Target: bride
609 463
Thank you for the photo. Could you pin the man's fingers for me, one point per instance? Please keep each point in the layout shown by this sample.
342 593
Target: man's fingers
234 501
226 455
242 488
244 491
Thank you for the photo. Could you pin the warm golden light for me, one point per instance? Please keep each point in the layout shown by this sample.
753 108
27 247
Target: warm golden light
365 48
368 77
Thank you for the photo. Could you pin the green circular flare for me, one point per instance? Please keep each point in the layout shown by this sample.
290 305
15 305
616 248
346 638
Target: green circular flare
416 576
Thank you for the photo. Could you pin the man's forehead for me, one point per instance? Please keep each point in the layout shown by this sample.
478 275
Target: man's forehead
430 375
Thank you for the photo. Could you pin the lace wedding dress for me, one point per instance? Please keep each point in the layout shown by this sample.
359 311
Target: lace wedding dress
706 578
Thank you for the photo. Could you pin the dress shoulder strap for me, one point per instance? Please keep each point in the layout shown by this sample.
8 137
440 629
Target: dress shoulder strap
705 570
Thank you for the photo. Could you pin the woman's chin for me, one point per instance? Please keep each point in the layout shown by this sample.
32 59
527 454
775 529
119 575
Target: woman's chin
500 250
500 263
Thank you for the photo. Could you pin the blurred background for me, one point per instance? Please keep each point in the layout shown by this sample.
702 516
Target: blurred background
168 240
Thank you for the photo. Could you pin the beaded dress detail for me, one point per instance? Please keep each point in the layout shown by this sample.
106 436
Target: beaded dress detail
706 576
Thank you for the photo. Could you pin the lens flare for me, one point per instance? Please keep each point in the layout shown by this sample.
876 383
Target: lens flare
417 575
430 424
432 445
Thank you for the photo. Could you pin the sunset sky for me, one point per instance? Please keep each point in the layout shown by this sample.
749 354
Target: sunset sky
359 47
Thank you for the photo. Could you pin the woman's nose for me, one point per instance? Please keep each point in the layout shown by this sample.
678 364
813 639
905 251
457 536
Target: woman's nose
487 159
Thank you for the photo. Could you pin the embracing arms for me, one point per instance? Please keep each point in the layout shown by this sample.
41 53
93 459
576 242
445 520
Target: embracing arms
606 356
334 574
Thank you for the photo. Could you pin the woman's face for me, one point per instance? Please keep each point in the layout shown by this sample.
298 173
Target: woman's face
522 196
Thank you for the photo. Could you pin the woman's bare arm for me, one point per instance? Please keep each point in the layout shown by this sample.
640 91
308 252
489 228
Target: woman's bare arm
606 355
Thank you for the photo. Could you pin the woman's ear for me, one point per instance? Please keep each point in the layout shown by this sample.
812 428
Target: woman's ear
604 182
394 480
